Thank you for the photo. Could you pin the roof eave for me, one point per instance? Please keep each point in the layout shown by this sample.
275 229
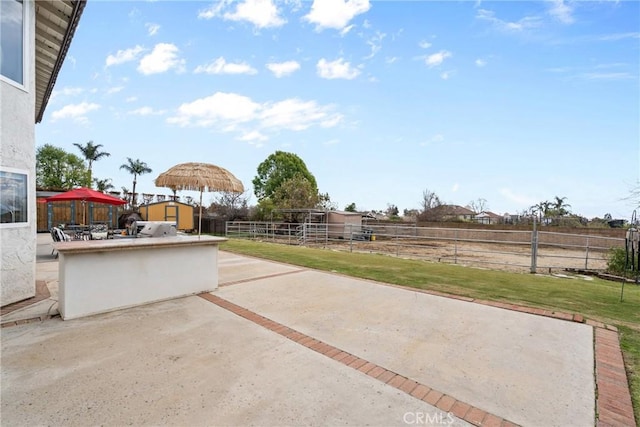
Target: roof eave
78 7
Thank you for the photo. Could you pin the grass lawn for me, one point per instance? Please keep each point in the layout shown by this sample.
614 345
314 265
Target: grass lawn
596 299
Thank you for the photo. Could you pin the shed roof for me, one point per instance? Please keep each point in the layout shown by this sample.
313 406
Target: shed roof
164 202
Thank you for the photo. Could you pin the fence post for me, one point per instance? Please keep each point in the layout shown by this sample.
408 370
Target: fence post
350 237
534 247
586 257
49 216
455 247
397 242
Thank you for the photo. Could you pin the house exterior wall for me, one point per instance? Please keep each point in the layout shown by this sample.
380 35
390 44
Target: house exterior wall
17 154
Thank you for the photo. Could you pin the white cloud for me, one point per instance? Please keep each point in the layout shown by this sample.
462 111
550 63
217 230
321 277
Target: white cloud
446 74
375 43
252 136
66 91
164 57
338 69
76 112
226 111
114 89
294 114
561 11
123 56
214 10
261 13
221 66
618 36
335 14
424 44
152 29
226 108
391 59
480 62
525 23
131 99
331 142
146 111
437 58
281 69
455 187
607 76
346 29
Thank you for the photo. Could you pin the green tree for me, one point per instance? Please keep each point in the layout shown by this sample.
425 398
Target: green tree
103 184
559 207
350 207
57 169
263 210
542 209
296 193
392 210
278 168
91 153
135 167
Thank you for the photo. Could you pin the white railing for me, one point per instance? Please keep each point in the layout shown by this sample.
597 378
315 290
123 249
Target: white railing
511 249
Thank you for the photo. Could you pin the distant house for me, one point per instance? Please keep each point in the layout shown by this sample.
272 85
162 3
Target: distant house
34 41
448 213
487 217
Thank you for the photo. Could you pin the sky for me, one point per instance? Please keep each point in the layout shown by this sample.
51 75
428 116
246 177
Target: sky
513 102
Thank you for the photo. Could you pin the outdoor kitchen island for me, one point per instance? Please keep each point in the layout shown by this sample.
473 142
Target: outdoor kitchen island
98 276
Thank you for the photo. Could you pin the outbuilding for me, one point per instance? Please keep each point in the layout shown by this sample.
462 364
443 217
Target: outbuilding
179 213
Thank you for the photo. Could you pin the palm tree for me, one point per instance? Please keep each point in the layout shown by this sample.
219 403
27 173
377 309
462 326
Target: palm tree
541 209
560 207
135 168
103 185
91 154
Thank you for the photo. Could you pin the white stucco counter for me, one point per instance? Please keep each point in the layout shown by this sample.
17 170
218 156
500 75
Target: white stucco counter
98 276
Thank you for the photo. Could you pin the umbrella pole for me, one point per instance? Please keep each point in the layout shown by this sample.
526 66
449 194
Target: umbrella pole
200 217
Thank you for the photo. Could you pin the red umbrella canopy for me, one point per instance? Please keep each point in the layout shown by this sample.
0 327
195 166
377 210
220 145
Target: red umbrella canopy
87 195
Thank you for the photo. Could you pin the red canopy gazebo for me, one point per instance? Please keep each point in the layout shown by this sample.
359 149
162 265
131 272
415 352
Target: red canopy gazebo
84 195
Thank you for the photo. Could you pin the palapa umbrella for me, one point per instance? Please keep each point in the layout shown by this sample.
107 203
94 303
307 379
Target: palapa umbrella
199 177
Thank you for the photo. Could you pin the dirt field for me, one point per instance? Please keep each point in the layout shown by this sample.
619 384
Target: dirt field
493 256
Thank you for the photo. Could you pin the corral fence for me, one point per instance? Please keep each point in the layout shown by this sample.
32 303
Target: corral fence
517 250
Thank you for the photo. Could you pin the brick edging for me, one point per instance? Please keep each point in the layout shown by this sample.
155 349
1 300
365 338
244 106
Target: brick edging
444 402
613 399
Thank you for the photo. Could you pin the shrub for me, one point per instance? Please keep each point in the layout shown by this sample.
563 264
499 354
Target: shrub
616 263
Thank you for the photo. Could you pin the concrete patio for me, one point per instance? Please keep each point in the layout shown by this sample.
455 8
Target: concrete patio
281 345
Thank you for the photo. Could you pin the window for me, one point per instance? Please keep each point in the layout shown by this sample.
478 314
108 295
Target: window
12 40
13 196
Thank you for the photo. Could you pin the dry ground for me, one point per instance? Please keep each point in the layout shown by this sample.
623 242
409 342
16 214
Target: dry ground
495 256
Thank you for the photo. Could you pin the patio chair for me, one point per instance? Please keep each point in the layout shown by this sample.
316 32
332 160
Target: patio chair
99 232
58 236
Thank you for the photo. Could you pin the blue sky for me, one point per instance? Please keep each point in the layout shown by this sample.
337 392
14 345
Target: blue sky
511 102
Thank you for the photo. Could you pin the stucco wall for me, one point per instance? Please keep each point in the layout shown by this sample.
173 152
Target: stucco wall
17 151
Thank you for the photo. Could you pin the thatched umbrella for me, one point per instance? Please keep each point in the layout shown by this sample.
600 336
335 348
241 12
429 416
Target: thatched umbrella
199 177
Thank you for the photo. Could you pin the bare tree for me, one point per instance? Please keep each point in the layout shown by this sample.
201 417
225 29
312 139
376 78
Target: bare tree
478 205
429 200
231 206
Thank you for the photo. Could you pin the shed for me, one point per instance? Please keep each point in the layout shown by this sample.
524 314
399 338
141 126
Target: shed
180 213
344 224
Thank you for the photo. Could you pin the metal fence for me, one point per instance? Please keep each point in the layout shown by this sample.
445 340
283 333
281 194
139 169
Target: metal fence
515 250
